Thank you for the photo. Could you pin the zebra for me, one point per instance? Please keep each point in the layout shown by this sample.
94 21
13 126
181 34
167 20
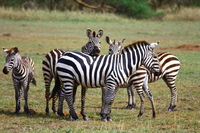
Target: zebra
170 66
22 75
116 48
76 68
48 65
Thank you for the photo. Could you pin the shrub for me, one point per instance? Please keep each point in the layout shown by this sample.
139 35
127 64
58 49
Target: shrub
132 8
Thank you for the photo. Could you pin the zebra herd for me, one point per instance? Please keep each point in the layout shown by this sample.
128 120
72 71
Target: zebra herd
132 67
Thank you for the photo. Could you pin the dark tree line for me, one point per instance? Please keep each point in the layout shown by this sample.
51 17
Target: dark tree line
131 8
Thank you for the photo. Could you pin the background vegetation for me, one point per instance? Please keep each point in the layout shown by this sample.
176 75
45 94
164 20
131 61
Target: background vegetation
36 32
139 9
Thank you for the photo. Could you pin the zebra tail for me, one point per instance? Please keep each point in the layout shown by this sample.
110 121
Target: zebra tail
34 82
56 88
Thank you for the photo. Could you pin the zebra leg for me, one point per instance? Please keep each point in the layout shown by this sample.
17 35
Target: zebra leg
17 97
60 105
111 102
148 93
47 93
74 97
104 117
83 93
109 94
54 104
170 81
141 95
69 99
26 109
131 98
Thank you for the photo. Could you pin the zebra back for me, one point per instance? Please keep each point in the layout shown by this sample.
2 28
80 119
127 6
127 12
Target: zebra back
87 65
49 63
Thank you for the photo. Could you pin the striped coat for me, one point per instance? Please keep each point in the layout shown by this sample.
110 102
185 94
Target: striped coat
111 71
92 47
22 75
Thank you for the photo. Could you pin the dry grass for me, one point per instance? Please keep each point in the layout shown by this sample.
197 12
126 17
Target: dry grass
45 15
185 14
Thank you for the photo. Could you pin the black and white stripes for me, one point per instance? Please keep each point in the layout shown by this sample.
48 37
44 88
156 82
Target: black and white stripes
92 47
22 74
169 66
108 71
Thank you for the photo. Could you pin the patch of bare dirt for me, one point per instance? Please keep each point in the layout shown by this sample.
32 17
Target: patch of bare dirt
190 47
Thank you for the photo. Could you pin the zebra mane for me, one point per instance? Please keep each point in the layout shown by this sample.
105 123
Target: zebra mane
135 43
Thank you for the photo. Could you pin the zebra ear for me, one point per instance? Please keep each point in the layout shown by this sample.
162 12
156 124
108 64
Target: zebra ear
5 50
154 44
100 33
88 33
108 40
15 49
120 42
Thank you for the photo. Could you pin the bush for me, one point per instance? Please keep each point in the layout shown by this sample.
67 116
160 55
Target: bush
132 8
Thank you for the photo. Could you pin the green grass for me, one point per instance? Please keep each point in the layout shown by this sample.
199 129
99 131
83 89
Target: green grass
36 38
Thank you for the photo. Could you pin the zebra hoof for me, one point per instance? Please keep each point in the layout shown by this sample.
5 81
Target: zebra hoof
139 115
47 114
130 107
60 114
85 118
104 120
16 113
109 119
171 108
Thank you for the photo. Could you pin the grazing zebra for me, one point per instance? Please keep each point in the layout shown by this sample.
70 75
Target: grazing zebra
108 71
22 75
169 66
48 65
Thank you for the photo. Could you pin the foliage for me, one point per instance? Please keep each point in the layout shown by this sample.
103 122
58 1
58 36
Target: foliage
132 8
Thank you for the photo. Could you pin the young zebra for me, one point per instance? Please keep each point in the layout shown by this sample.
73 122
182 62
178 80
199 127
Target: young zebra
170 66
110 71
48 65
22 75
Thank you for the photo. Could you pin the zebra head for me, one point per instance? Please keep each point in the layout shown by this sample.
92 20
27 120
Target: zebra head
11 59
114 47
150 59
94 44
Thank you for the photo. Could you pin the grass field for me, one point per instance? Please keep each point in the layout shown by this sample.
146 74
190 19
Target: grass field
36 38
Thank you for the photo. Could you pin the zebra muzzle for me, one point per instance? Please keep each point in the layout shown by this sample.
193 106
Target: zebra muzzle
5 70
96 51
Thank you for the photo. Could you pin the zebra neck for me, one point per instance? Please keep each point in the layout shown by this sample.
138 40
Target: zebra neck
20 68
131 61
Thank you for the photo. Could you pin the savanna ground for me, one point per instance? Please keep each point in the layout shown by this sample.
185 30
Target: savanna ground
35 38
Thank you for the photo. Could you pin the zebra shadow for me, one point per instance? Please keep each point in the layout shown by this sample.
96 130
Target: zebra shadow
10 113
